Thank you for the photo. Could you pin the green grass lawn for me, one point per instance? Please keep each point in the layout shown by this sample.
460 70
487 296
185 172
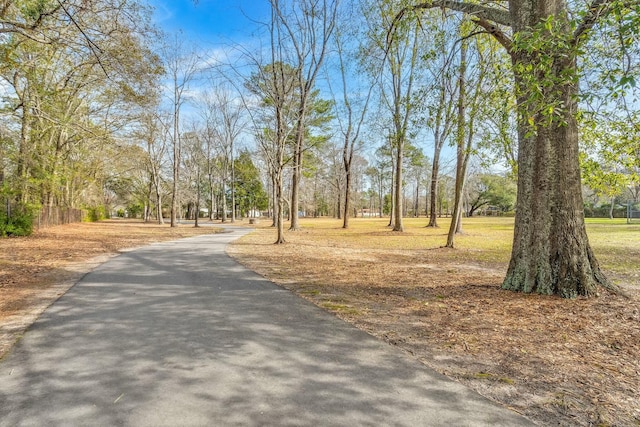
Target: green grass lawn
616 244
484 239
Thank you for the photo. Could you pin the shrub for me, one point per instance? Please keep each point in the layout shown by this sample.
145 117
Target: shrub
135 210
96 213
18 223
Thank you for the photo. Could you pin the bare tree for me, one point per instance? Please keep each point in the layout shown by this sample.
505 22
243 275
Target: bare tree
398 81
352 115
181 65
275 85
440 105
308 26
153 135
472 95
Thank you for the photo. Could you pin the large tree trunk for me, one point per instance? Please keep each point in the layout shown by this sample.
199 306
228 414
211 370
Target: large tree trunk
551 252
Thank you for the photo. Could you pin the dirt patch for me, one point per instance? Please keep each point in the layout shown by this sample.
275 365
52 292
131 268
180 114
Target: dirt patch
36 270
558 362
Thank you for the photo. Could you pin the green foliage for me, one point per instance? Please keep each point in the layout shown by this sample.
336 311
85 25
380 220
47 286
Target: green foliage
610 158
34 9
276 84
250 193
18 221
609 62
96 213
57 142
493 190
544 68
134 210
386 206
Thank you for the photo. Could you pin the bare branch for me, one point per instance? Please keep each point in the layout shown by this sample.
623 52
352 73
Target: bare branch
598 10
487 17
496 32
92 45
499 16
24 32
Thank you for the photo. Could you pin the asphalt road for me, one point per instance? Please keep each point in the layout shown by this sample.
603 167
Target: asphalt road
179 334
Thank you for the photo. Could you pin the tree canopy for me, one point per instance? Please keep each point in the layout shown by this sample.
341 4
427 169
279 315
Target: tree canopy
332 107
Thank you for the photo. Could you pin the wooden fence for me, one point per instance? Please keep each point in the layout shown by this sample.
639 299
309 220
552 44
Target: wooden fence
48 217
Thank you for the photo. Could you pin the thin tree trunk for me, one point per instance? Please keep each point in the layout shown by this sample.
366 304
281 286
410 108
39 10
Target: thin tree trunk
295 189
224 201
274 201
347 195
399 193
613 200
197 200
416 203
280 208
461 155
433 198
392 188
176 159
297 160
233 187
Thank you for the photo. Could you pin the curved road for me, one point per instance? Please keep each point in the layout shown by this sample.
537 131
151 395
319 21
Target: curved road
178 334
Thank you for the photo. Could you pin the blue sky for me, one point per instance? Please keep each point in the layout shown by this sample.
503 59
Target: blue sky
210 21
214 24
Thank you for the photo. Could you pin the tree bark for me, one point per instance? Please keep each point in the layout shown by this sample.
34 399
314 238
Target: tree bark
399 188
295 187
347 190
433 197
279 207
460 151
613 200
551 252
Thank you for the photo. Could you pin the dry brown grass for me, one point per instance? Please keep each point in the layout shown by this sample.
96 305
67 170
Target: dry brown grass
559 362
